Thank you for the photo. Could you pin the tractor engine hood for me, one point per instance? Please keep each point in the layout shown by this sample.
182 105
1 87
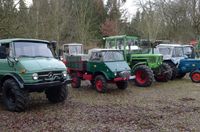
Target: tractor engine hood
41 64
118 66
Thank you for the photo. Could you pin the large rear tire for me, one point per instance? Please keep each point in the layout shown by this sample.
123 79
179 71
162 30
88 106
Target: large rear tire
76 81
174 70
57 94
143 76
14 98
100 84
122 84
166 73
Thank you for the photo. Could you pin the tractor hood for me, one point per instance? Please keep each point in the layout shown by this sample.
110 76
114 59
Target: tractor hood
41 64
118 66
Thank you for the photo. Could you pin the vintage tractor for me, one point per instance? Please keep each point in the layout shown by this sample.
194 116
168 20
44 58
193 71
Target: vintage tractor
28 65
100 66
173 54
144 66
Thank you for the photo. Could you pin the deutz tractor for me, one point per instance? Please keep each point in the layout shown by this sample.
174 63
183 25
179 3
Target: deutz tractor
100 66
144 66
29 65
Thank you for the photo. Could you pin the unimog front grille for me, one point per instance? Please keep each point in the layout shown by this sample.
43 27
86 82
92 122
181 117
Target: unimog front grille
53 75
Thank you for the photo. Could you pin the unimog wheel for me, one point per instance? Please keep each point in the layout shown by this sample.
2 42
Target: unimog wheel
122 84
57 94
174 70
195 77
100 84
166 73
76 81
14 98
143 76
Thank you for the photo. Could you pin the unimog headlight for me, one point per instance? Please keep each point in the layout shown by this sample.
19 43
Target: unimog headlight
64 73
35 76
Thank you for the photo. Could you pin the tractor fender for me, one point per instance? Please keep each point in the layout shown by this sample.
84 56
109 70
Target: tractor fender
196 70
102 73
14 76
138 64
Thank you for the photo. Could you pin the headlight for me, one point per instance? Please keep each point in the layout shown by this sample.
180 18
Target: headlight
35 76
64 73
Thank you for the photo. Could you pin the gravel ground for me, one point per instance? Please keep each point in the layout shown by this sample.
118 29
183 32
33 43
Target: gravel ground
172 106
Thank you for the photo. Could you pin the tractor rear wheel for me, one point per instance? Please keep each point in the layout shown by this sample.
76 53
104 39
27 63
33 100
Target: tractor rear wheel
195 77
143 76
122 84
166 73
76 81
174 70
100 83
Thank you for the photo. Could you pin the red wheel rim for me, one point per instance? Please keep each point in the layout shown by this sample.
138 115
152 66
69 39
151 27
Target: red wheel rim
74 81
196 77
99 85
141 77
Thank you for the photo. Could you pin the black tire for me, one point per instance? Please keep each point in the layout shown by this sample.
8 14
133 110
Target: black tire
143 76
195 76
57 94
92 83
180 75
174 70
166 73
76 81
100 84
122 84
14 98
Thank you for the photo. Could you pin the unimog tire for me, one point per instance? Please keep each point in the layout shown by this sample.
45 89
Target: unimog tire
76 81
174 70
166 73
122 85
100 84
14 98
143 76
57 94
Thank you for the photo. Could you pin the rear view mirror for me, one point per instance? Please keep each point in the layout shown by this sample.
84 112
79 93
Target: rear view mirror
3 54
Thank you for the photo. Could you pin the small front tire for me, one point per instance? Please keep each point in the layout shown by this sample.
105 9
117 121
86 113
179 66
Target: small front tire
100 84
122 85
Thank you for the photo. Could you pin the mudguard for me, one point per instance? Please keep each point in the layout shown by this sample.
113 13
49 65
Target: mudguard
14 76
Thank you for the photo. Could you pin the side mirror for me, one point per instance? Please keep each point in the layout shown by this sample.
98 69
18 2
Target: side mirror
3 54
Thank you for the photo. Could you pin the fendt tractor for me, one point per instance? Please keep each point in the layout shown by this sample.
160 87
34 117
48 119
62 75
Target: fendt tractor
29 65
180 60
144 66
99 66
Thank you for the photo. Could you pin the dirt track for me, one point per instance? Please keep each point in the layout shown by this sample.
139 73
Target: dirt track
173 106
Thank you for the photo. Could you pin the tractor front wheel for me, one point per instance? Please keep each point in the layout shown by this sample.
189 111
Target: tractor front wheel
76 81
100 84
195 77
166 73
143 76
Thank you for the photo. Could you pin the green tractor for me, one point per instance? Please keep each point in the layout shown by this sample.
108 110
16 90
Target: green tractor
29 65
144 66
99 66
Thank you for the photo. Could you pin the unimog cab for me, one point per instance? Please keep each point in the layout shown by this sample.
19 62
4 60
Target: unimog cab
144 66
29 65
101 66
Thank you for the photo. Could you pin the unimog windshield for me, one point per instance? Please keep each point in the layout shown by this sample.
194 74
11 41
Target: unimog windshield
32 49
107 56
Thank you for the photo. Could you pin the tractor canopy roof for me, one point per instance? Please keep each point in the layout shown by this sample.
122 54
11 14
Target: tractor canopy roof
21 39
73 44
169 45
121 37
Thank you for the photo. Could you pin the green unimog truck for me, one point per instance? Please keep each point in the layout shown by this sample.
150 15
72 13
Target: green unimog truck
99 66
28 65
144 66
